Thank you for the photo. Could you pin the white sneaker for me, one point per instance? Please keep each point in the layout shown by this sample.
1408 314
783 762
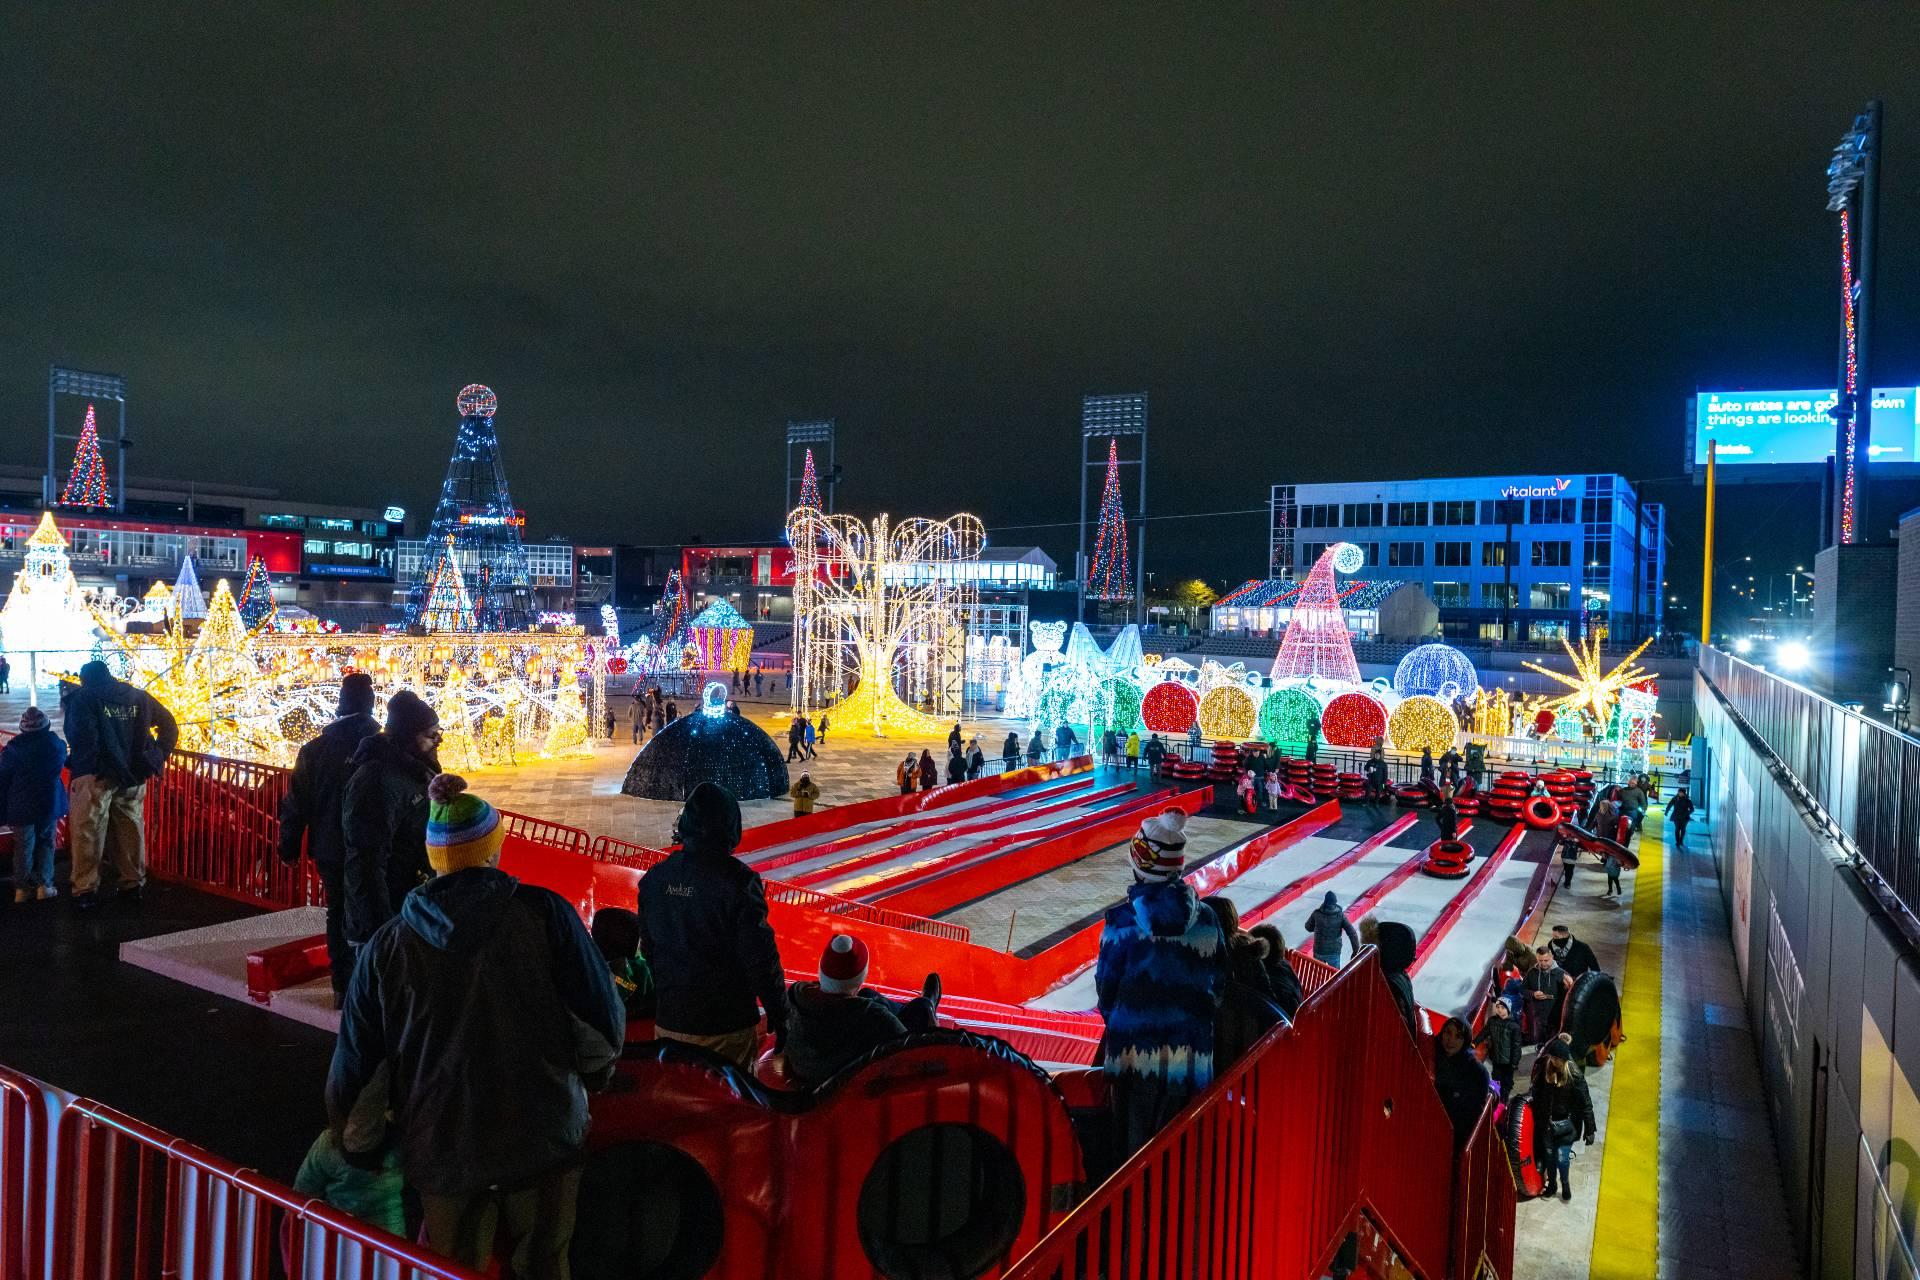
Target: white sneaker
48 891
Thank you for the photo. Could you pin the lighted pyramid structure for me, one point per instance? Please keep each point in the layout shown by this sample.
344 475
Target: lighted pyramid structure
188 600
1317 644
448 606
476 513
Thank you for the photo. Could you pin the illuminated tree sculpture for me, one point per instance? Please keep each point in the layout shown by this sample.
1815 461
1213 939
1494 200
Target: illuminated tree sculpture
1594 691
87 483
477 513
189 602
256 595
1109 575
448 606
1317 643
809 485
886 593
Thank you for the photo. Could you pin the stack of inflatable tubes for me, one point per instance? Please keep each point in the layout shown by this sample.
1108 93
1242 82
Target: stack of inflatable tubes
1226 761
810 1184
1448 859
1467 805
1412 794
1509 792
1325 781
1353 786
1185 770
1560 785
1583 787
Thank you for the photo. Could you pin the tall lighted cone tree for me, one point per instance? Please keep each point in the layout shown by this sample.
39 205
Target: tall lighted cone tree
87 483
886 599
1317 643
809 484
1109 575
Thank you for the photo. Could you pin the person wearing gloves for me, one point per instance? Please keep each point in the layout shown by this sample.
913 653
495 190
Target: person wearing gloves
804 792
704 933
32 801
492 1013
1329 924
839 1018
1160 975
310 813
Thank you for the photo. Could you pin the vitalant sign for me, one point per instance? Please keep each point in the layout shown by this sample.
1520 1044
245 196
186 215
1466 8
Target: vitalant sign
1553 490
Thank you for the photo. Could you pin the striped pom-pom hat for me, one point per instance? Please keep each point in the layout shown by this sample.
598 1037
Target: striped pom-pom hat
462 829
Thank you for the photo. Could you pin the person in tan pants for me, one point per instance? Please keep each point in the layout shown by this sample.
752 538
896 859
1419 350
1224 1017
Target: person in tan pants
118 737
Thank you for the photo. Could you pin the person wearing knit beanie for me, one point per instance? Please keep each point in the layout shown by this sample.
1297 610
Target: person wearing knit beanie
1160 847
408 716
33 800
383 813
839 1020
32 720
356 694
462 829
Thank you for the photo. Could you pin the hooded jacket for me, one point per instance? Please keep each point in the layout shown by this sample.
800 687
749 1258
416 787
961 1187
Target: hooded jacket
312 804
1160 975
1502 1038
383 821
1328 923
115 731
488 1002
1463 1087
704 932
30 790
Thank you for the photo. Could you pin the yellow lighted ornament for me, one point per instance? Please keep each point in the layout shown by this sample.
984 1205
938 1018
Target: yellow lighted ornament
1228 711
1422 721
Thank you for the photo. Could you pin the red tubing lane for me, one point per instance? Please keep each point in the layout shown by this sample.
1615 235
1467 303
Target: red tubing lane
1005 860
898 828
1314 879
1450 914
840 817
858 862
1358 908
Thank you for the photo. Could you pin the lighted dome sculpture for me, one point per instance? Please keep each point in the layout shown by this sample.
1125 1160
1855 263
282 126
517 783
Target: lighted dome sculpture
711 745
1439 670
476 401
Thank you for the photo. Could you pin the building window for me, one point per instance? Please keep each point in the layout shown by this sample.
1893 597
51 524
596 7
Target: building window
1319 515
1406 515
1596 510
1310 552
1503 511
1499 595
1495 555
1552 510
1599 555
1552 555
1361 515
1371 550
1550 595
1451 595
1454 512
1453 555
1406 555
281 521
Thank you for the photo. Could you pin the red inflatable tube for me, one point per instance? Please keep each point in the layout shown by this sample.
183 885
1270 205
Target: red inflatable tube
1541 813
1598 845
816 1184
1407 793
1449 859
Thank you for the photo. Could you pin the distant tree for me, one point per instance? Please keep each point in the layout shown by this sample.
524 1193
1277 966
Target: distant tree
1194 593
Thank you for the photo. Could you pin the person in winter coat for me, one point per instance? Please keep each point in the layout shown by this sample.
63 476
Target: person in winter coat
1572 955
1159 976
1376 771
1426 766
1133 752
117 738
976 759
1446 816
1328 924
1273 788
807 736
310 814
1501 1035
1109 749
492 1013
32 801
929 772
1247 1008
369 1186
1546 985
804 792
704 932
1313 739
1569 859
1449 767
1194 740
1156 751
1680 813
838 1019
616 934
1281 978
1396 943
383 814
796 734
1633 804
1562 1115
1246 954
1063 742
1010 753
905 772
956 766
1036 749
1459 1078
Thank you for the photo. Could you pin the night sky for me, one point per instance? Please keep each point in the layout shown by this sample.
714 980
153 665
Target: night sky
1332 241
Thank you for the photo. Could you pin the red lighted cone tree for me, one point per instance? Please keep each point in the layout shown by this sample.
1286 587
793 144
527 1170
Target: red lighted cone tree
87 483
1109 576
809 485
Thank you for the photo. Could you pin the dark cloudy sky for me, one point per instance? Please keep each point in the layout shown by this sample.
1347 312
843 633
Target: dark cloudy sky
1341 241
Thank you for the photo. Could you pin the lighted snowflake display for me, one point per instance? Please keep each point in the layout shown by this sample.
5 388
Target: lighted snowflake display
1437 669
1422 721
1228 711
476 401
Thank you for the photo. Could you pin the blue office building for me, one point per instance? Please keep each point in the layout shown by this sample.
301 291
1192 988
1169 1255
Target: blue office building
1524 557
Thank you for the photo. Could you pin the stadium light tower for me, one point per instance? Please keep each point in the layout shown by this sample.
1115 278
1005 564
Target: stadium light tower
1853 192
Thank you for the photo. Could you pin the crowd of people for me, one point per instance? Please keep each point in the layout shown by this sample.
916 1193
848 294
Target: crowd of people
649 710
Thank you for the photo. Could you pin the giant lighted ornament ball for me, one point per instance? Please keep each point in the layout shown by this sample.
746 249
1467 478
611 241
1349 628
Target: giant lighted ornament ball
476 401
1120 699
1437 669
1169 707
1228 712
1353 720
1422 721
1286 715
1348 558
711 745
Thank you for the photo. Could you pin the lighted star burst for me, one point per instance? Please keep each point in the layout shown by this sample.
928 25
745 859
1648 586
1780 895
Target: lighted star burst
1594 691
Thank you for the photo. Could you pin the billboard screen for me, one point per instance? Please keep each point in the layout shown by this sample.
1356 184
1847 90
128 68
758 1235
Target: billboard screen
1792 429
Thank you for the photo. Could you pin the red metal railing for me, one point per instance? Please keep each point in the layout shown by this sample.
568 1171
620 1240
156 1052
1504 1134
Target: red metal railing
24 1118
216 824
1341 1095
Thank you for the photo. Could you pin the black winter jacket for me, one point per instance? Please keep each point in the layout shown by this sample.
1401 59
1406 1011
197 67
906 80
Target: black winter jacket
1570 1101
117 732
30 790
704 932
1463 1086
826 1032
1283 981
383 820
488 1003
1502 1038
1576 958
312 804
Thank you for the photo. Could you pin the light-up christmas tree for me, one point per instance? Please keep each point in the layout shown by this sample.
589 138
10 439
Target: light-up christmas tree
809 485
256 595
1109 575
188 600
87 483
1317 643
448 606
477 514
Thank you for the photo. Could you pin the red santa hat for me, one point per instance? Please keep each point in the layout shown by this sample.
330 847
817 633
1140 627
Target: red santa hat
843 966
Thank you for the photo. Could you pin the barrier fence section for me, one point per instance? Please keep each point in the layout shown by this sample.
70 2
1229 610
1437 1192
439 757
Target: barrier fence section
216 824
1343 1093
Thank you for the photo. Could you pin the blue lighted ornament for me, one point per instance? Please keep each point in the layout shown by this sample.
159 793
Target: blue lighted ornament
1438 670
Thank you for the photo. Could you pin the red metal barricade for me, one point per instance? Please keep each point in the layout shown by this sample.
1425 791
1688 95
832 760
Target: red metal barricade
24 1119
216 825
132 1203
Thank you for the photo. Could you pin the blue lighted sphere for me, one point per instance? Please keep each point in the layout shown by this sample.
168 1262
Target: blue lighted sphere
1438 670
476 401
1348 558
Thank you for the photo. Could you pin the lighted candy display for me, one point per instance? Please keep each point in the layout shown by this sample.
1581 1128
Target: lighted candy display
1228 712
1120 703
1422 721
1317 644
1286 715
1437 669
876 607
1169 707
724 638
1353 720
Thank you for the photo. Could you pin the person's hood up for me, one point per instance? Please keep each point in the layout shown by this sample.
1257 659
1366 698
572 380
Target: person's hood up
1331 902
460 911
95 675
1166 909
